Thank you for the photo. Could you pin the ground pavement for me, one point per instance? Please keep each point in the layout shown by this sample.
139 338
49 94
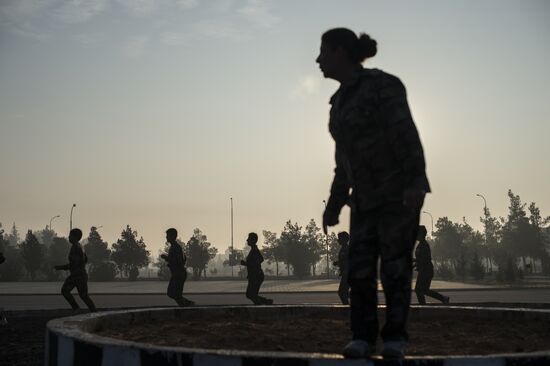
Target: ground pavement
120 294
204 287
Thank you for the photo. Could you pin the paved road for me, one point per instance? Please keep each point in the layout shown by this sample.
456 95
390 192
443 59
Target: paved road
159 287
49 301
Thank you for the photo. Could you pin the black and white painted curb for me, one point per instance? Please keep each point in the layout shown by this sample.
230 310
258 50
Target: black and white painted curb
70 341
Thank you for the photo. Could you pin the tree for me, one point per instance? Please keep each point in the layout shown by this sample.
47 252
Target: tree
492 236
96 249
103 271
13 237
477 271
515 228
32 254
3 242
99 254
45 236
57 253
199 252
12 268
130 254
295 252
471 249
537 242
448 244
272 250
314 243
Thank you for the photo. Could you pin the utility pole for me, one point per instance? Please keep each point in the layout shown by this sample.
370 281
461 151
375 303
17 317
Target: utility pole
232 250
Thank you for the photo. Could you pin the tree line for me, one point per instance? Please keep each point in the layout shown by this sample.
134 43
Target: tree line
507 248
34 257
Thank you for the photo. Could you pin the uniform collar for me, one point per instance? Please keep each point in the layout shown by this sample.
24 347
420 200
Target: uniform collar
354 79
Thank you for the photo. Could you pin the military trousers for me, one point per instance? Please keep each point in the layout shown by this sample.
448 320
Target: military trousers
80 281
386 233
423 283
255 280
343 287
175 286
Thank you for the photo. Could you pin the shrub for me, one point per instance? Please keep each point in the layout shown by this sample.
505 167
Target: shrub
444 271
477 270
105 271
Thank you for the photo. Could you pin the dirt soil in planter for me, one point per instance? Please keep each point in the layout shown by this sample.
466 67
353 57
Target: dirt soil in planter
460 335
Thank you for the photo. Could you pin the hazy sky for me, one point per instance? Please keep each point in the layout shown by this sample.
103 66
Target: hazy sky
155 113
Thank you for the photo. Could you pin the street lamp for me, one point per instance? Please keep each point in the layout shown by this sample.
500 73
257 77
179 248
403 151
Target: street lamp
326 236
232 255
71 218
431 217
484 200
56 216
484 214
485 223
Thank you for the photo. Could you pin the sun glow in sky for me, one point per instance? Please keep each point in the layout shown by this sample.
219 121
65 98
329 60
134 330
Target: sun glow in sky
155 113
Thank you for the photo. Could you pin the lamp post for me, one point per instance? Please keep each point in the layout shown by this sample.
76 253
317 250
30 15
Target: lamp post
232 258
71 217
326 238
484 214
485 223
55 217
432 218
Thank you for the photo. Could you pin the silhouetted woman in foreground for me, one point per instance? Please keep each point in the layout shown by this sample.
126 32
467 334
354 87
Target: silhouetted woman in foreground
380 173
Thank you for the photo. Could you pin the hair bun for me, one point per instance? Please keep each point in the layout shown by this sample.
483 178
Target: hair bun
367 46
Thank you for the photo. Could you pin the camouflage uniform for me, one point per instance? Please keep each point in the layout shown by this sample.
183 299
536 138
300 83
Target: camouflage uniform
378 157
178 274
255 276
342 263
425 268
77 278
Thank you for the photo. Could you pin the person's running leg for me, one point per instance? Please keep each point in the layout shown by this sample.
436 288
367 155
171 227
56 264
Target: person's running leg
82 288
253 288
66 289
343 289
421 286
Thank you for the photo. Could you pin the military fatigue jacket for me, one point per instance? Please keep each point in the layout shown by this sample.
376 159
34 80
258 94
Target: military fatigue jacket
176 258
343 255
423 256
77 261
254 260
378 150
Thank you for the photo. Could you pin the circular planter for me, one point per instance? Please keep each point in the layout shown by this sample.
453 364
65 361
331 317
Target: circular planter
71 341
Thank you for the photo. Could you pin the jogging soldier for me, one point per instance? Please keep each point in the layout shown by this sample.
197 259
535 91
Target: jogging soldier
424 266
342 263
380 158
178 274
78 277
255 276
